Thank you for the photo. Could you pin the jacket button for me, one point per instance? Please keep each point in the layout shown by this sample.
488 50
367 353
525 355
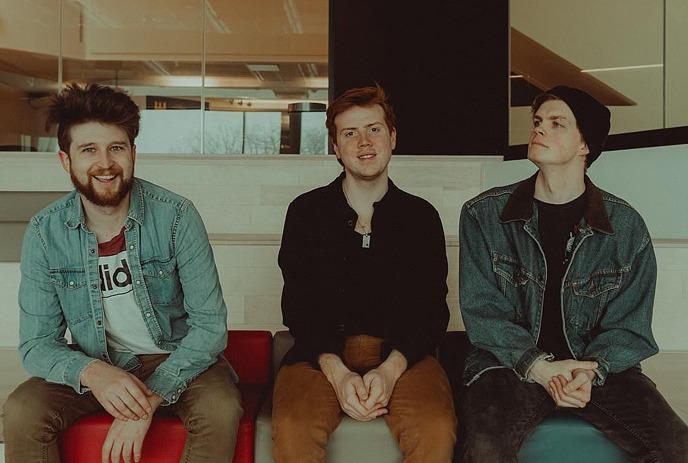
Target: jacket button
138 282
104 356
131 247
99 323
94 286
350 223
71 283
92 251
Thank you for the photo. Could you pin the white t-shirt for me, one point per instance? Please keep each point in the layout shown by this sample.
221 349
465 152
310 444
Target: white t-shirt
125 328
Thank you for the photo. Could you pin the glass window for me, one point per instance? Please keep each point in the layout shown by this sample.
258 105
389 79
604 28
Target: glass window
29 49
210 76
612 49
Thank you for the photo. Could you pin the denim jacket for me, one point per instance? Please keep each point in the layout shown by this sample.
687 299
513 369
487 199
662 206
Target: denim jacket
607 291
176 287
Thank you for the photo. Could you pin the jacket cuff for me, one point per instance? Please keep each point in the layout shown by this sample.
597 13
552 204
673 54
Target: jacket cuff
167 386
72 372
601 372
527 360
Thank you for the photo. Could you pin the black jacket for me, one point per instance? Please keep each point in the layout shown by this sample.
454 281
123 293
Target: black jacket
399 295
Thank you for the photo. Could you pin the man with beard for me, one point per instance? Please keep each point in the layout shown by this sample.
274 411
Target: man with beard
125 265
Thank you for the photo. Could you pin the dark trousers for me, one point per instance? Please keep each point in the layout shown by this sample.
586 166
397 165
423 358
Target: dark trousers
498 411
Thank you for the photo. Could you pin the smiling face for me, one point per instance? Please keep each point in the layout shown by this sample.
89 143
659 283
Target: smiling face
364 142
555 139
100 163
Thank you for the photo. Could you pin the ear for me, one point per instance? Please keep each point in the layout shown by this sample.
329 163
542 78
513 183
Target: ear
583 150
336 149
133 154
64 160
393 137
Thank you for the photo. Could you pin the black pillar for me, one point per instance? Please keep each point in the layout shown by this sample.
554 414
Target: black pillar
444 63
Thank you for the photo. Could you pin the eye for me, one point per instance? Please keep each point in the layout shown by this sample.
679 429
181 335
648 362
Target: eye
556 124
374 129
89 149
117 148
349 133
536 122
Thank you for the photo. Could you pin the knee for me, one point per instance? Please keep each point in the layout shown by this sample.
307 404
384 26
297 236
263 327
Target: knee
480 446
216 413
26 415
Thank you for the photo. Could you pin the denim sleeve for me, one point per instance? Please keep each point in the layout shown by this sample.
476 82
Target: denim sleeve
42 345
625 330
204 303
487 313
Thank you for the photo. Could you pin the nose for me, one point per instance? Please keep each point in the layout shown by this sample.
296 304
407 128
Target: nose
105 158
538 130
363 140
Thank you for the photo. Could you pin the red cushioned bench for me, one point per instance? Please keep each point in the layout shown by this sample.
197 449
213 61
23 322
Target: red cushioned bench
249 352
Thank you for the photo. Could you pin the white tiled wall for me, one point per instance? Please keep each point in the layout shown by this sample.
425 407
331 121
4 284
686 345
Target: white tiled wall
243 202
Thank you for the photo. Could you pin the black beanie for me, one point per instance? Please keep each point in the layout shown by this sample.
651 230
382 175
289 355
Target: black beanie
593 117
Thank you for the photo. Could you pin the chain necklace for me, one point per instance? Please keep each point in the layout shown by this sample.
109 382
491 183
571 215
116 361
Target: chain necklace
364 227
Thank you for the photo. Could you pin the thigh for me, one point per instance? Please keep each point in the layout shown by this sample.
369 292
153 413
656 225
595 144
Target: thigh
422 393
501 408
631 412
303 396
211 397
54 407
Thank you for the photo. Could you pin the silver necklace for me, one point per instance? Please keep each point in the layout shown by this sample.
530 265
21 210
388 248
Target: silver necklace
365 240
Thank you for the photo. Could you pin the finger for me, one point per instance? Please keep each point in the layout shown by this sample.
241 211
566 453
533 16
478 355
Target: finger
138 443
576 382
585 364
116 452
139 395
135 405
113 411
360 388
126 452
566 399
368 379
105 451
580 395
375 396
121 407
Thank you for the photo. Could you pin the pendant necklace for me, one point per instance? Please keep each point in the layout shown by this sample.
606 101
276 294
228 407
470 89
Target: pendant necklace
365 240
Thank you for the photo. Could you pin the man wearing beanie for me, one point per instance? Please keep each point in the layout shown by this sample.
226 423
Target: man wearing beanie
557 282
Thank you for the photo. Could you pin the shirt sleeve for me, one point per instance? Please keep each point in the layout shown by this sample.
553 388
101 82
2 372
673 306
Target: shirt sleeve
304 312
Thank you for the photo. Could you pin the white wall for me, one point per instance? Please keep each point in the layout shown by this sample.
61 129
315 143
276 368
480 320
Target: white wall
243 202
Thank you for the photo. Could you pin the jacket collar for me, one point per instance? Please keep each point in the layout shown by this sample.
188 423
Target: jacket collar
136 208
520 205
336 190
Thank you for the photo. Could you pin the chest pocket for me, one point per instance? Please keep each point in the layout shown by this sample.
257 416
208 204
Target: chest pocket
162 281
510 270
72 290
590 296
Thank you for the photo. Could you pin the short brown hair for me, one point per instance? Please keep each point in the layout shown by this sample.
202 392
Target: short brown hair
362 96
92 103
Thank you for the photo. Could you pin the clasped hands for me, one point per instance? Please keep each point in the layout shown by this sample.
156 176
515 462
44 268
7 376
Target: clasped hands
568 382
129 401
363 398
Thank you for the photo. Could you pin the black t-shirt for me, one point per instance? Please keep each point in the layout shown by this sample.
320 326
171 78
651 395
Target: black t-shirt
556 225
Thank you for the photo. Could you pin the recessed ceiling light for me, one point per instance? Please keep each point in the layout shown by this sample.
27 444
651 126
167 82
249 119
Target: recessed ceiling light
263 67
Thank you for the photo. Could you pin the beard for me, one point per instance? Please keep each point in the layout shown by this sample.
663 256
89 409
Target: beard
108 199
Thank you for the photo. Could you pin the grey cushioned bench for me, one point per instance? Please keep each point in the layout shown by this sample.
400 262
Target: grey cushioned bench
561 438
